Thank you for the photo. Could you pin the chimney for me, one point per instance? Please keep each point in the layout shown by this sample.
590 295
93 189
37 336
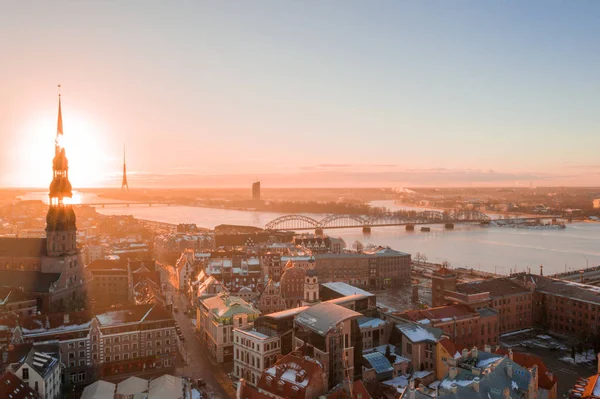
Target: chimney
509 369
541 270
488 348
510 354
66 318
474 352
453 372
476 384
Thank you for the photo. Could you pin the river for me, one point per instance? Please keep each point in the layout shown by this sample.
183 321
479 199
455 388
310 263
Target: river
485 248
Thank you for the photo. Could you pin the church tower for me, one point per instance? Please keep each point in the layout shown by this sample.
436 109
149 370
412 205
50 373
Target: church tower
311 283
61 230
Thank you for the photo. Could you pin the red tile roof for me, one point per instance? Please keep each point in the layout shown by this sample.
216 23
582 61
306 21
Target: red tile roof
13 387
444 271
527 361
309 371
249 392
357 389
458 311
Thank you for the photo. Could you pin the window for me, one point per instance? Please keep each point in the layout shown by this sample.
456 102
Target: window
107 359
81 362
71 345
107 350
134 355
81 344
71 355
25 373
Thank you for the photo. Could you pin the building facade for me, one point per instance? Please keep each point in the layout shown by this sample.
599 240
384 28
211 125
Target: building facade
255 351
216 318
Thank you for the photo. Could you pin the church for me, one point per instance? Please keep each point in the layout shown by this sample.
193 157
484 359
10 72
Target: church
51 268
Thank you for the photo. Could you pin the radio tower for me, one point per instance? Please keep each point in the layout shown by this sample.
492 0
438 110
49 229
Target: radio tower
124 184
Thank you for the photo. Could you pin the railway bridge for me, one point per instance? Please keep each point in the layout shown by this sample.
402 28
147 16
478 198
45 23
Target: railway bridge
449 219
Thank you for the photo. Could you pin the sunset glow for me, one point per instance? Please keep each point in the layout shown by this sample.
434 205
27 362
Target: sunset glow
87 151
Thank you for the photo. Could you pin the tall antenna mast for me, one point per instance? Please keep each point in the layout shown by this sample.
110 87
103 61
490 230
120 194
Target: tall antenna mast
124 184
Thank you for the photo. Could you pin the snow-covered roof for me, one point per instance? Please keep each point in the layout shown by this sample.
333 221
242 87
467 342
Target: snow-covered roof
345 289
99 390
166 387
132 385
370 322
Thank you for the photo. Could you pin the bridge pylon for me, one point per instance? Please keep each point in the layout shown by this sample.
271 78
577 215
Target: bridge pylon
366 230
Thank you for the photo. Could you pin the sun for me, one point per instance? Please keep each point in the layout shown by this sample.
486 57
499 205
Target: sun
86 147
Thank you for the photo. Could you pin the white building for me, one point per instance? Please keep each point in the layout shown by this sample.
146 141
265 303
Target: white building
216 317
254 352
40 369
92 253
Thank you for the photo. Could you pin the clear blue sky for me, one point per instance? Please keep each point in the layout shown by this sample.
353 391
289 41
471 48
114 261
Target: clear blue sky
325 92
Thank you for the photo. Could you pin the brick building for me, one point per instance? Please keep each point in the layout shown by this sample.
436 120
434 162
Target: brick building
110 283
132 339
392 268
510 297
464 325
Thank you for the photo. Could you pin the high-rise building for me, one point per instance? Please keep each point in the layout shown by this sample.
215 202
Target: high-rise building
256 191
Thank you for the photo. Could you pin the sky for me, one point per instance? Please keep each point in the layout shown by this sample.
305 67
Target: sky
302 93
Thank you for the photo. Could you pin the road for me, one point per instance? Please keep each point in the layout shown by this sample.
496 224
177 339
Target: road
199 365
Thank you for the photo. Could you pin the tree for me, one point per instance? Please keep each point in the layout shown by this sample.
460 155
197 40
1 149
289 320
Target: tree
358 246
423 258
418 257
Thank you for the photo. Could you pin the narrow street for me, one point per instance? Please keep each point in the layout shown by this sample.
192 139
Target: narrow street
199 365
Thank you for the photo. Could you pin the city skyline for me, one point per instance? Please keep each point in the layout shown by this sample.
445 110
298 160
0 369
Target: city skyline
303 94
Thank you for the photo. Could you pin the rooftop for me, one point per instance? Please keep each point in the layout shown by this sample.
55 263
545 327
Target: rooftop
225 305
417 333
567 289
104 264
383 251
497 287
29 281
346 289
11 247
442 313
370 322
292 373
13 387
323 317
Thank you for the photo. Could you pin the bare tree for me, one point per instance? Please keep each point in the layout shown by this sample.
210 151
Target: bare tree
358 246
423 258
418 257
